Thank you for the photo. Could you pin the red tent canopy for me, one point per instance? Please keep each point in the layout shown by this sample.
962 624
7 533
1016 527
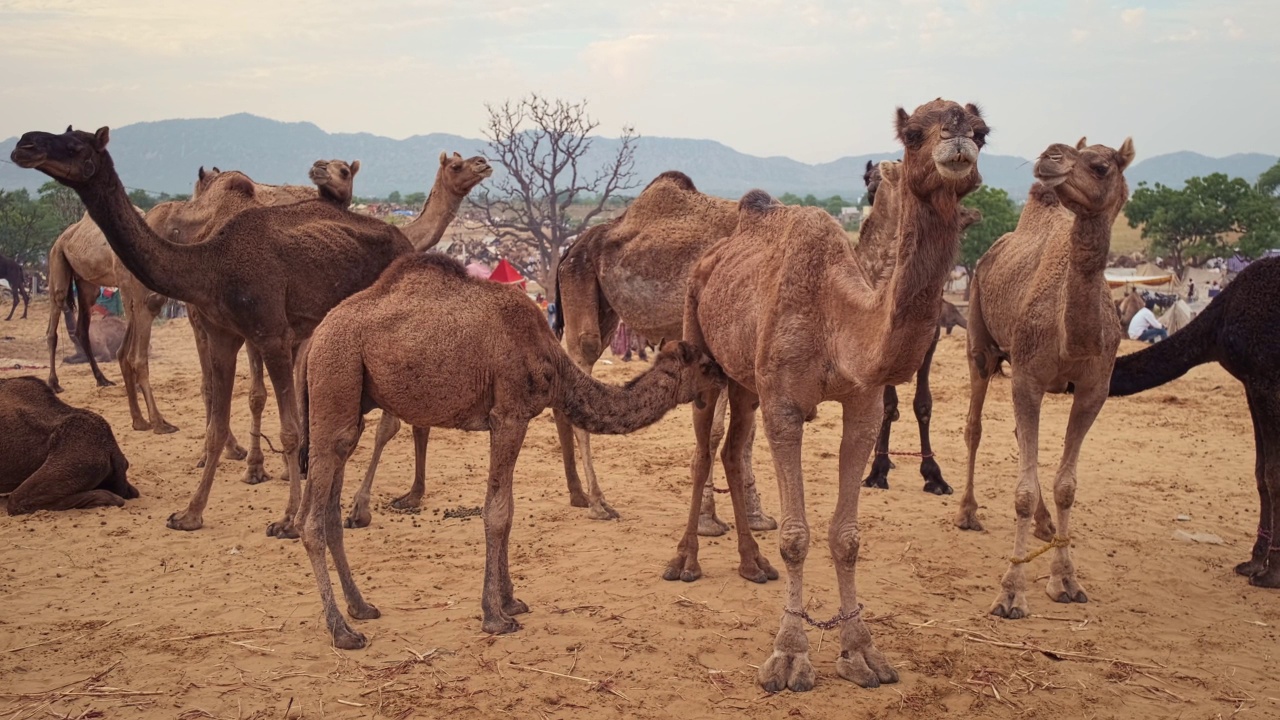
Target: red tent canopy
506 274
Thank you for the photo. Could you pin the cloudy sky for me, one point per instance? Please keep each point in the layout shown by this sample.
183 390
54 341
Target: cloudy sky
811 80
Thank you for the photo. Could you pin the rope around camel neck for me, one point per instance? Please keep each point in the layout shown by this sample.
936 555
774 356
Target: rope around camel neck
1058 541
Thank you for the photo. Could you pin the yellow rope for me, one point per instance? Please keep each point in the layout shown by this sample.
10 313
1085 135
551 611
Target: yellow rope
1057 542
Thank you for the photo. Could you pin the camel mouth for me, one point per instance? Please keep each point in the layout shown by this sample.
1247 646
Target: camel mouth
486 171
957 169
27 155
1051 181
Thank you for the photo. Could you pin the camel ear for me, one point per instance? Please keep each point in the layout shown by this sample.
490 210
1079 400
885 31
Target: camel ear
200 174
890 172
457 155
68 128
216 170
1084 143
974 109
101 137
355 167
870 166
687 353
903 119
444 158
1126 153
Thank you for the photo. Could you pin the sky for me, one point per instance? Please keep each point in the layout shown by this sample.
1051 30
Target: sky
810 80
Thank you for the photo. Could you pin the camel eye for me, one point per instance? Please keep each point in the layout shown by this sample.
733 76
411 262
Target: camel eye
1099 169
345 173
980 137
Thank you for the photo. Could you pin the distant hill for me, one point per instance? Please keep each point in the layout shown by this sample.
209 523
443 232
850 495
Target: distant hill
163 157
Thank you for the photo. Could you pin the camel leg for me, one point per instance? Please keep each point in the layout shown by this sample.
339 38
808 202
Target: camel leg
233 449
967 514
1011 602
1257 561
789 665
498 602
860 661
73 475
1267 421
26 301
757 519
59 285
684 566
742 421
125 360
565 431
255 473
360 516
87 294
880 464
1087 403
277 355
708 524
413 499
222 349
140 359
14 292
923 406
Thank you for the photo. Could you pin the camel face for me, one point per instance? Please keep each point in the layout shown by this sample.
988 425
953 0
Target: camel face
72 157
950 135
463 175
1088 179
335 179
698 372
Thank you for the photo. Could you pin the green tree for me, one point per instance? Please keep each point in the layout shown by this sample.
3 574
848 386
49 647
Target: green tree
1269 182
143 199
1191 225
62 203
999 216
790 199
27 229
415 199
394 197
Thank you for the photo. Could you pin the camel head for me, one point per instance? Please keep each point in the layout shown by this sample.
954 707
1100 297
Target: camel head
882 182
335 179
218 194
697 372
72 158
1088 179
459 176
204 178
942 140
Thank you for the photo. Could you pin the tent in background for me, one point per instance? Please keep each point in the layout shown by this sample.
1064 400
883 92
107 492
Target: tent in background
507 274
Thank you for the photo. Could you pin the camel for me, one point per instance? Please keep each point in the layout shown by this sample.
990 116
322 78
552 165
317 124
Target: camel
54 456
335 180
11 272
794 317
1238 331
878 238
1041 302
634 269
106 337
267 276
431 345
82 256
1128 307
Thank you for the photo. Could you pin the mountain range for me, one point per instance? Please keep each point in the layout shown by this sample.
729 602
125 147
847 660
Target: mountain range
163 156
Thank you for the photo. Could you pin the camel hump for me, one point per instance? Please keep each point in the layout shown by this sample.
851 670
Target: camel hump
684 181
441 263
757 201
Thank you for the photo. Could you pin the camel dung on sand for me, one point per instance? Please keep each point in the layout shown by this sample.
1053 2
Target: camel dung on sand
795 317
54 456
268 275
11 272
435 347
1041 302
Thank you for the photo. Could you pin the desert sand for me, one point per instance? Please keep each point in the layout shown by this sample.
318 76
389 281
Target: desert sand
109 614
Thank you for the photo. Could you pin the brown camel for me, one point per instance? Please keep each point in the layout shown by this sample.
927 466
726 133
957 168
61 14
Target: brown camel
1128 307
878 240
11 272
455 178
335 180
1040 301
635 269
431 345
795 317
267 275
106 337
54 456
82 256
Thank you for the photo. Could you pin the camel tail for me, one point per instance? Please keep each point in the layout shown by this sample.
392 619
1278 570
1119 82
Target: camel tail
304 406
557 322
1170 359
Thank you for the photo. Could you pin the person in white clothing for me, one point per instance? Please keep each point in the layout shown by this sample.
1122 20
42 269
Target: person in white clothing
1145 327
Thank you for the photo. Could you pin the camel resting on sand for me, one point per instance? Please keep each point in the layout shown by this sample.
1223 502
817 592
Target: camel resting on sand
437 348
106 336
54 456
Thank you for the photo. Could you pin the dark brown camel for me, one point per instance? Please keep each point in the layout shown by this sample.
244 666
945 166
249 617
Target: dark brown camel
11 271
266 276
435 347
54 456
1238 331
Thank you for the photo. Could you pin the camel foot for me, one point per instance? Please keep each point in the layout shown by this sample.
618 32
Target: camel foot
1044 531
130 492
602 511
359 517
103 382
761 522
1268 578
413 501
162 427
577 499
364 612
185 520
937 486
283 530
877 480
236 452
500 625
683 567
711 526
1065 590
515 607
757 570
54 386
1010 605
344 638
1251 567
867 668
968 520
786 671
140 425
254 475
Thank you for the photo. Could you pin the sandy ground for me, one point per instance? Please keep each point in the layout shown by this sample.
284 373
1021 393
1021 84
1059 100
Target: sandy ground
107 612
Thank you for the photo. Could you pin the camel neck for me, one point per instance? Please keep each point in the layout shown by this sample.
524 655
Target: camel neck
154 260
614 410
1090 241
437 212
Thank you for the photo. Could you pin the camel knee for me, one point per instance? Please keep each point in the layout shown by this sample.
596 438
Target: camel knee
257 399
1064 491
1024 502
923 405
845 540
590 345
793 542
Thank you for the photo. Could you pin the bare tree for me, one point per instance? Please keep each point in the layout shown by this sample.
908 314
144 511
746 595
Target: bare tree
543 145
